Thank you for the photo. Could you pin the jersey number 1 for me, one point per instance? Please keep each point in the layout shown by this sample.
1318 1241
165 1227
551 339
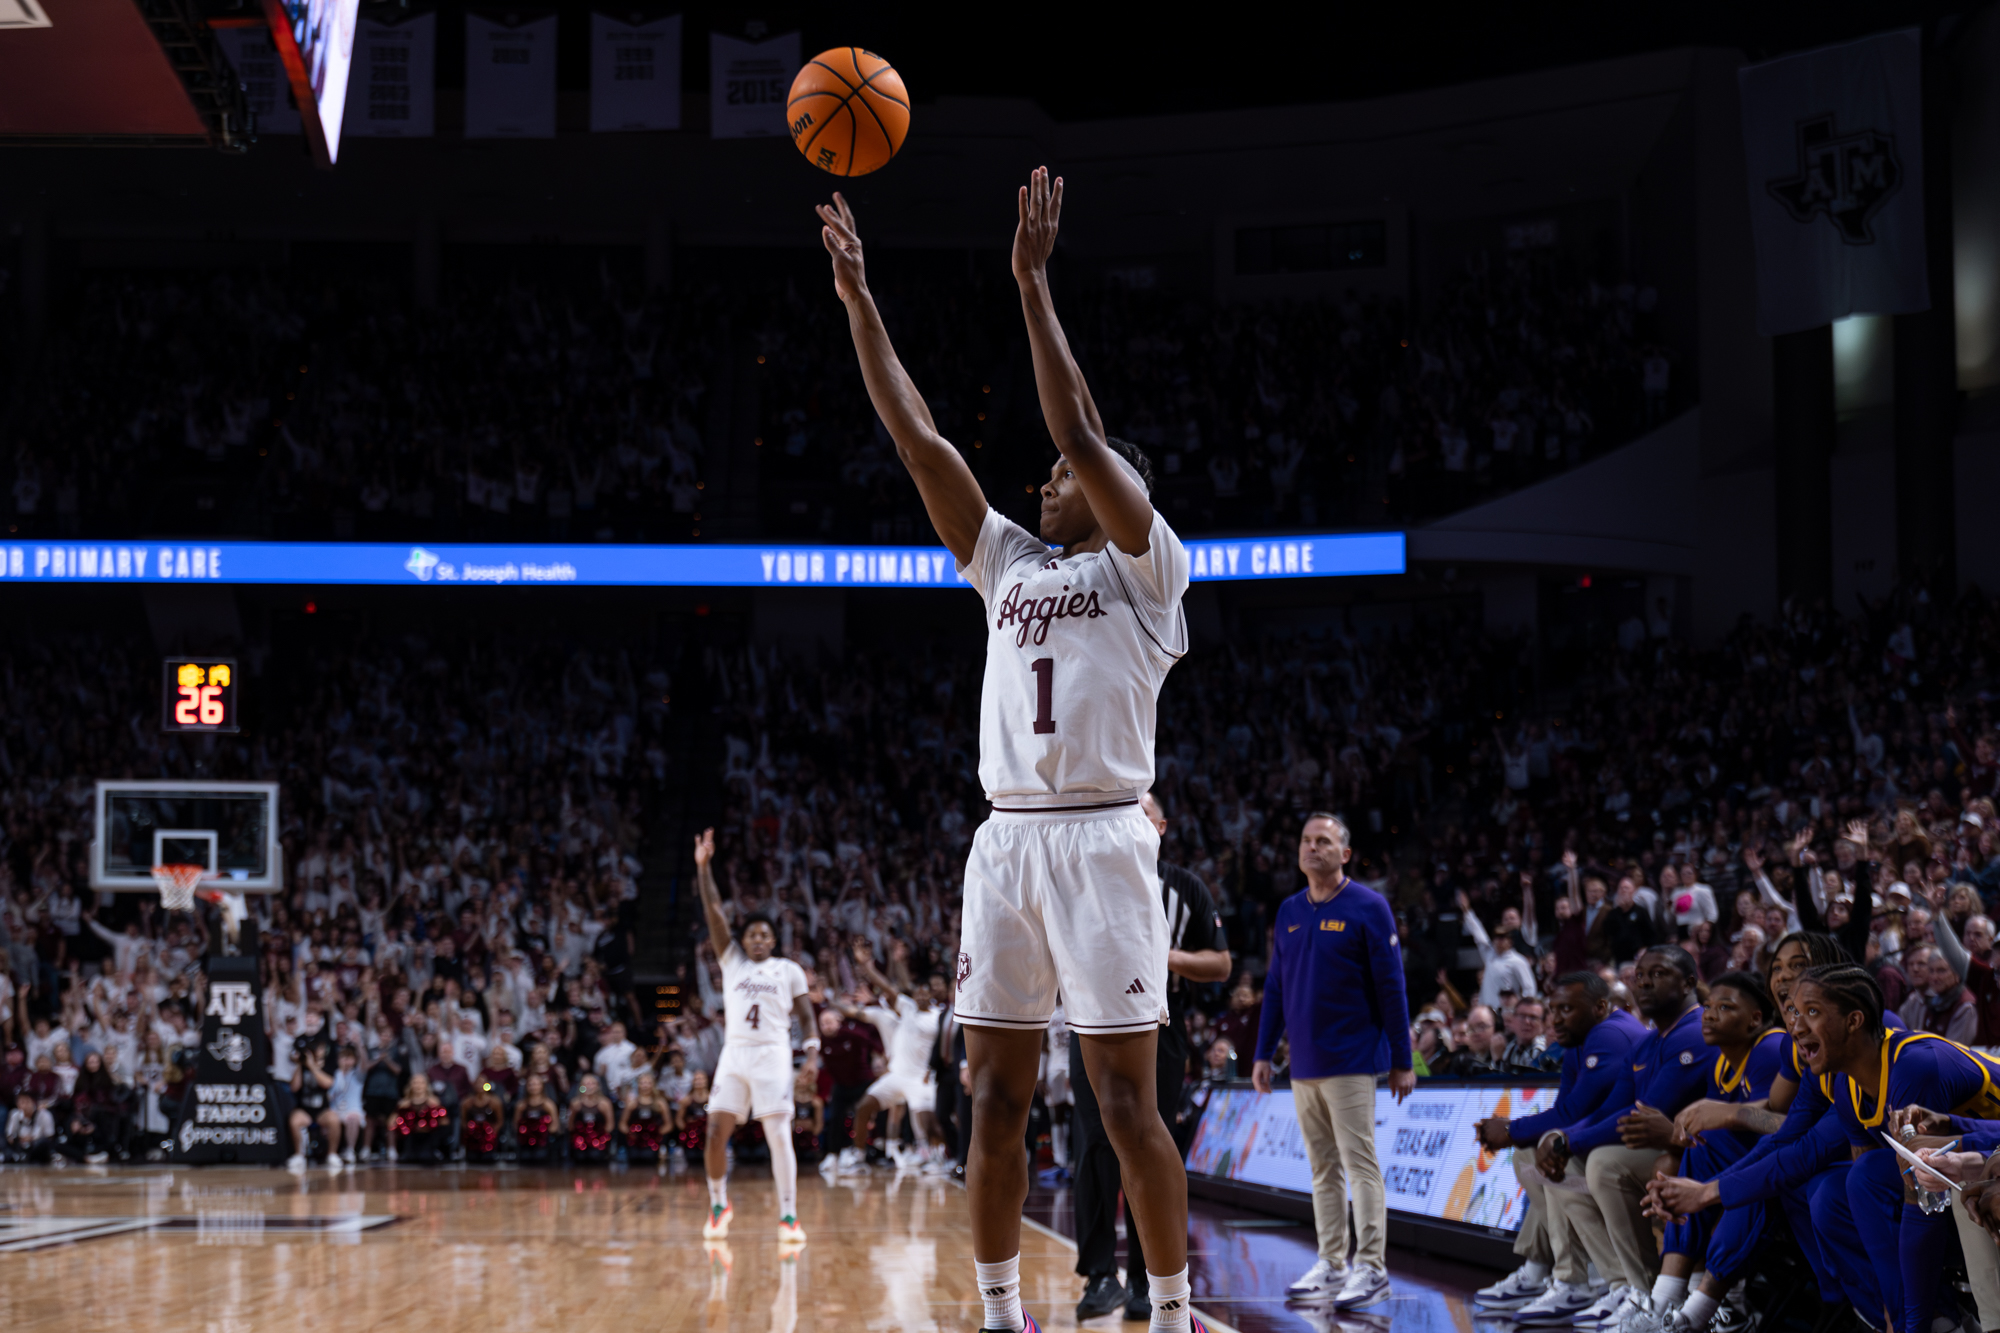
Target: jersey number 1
751 1017
1045 689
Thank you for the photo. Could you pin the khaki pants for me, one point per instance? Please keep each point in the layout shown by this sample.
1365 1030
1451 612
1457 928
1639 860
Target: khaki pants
1982 1266
1337 1120
1605 1216
1544 1236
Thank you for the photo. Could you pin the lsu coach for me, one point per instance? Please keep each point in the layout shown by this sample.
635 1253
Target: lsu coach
1335 991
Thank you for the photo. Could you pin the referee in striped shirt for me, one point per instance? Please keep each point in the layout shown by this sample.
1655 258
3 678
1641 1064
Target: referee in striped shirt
1196 952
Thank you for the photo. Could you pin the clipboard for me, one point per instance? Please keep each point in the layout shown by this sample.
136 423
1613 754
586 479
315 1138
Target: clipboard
1957 1190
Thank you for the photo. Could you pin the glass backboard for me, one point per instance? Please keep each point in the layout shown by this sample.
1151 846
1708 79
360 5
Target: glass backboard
229 828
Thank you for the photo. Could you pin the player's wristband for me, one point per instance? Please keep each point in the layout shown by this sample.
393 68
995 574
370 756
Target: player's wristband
812 1043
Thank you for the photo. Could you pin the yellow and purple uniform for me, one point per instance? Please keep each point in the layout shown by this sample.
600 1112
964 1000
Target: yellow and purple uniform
1871 1229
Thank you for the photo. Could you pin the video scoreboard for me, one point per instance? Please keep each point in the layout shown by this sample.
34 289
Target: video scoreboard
199 694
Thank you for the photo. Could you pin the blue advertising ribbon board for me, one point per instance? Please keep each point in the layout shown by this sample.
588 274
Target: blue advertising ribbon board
1331 555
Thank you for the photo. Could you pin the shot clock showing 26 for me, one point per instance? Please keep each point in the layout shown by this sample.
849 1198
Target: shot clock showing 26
198 694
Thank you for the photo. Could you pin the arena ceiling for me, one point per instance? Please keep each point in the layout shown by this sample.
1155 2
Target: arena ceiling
96 69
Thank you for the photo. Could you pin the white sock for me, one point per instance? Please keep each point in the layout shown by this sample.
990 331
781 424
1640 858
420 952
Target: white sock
1170 1301
1668 1291
1059 1144
1000 1289
784 1164
1700 1308
718 1191
1535 1271
1944 1323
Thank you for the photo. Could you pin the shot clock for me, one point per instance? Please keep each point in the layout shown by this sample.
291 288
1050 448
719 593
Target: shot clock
199 694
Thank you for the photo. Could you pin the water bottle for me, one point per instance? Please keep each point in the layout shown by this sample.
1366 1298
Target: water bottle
1931 1201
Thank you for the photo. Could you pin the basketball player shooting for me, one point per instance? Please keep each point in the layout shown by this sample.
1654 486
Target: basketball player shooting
1061 887
762 994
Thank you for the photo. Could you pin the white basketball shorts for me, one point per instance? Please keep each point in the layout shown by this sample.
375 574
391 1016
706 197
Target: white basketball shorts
1064 902
911 1090
752 1082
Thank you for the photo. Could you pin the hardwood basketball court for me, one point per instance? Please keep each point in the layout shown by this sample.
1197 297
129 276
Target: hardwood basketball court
240 1250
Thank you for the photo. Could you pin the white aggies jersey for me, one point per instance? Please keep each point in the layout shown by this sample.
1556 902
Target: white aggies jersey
1077 648
910 1035
757 998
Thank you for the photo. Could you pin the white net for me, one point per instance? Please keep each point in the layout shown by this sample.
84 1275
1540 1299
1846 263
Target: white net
177 885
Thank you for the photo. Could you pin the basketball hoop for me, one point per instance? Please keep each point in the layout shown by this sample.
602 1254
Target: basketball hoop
176 884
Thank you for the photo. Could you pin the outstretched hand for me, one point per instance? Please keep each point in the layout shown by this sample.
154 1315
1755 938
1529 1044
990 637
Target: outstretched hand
843 242
704 848
1040 203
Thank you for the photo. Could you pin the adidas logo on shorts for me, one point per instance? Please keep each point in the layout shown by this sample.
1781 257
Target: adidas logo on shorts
1135 988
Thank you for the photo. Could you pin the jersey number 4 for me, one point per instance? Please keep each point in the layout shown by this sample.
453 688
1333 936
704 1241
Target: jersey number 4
751 1017
1045 690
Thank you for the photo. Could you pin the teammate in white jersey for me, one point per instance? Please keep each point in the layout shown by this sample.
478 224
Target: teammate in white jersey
909 1028
762 994
1056 1094
1061 888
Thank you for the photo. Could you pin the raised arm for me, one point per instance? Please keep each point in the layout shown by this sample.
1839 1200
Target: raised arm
1854 935
711 898
864 960
1118 500
952 498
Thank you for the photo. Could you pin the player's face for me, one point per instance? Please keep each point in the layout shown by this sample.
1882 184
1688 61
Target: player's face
1658 987
1572 1014
1067 517
1790 962
1822 1033
758 942
1730 1019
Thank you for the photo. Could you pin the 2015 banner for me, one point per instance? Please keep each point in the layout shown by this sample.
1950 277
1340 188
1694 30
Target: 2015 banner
1833 140
748 80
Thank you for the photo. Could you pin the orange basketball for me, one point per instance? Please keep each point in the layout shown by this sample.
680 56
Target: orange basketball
848 111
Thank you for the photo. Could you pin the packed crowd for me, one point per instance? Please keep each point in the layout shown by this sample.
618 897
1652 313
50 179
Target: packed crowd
1704 798
451 913
291 404
445 918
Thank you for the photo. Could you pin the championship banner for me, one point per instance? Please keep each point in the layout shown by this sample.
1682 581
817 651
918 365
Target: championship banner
510 79
254 57
1431 1164
748 82
635 74
393 90
1834 143
231 1110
